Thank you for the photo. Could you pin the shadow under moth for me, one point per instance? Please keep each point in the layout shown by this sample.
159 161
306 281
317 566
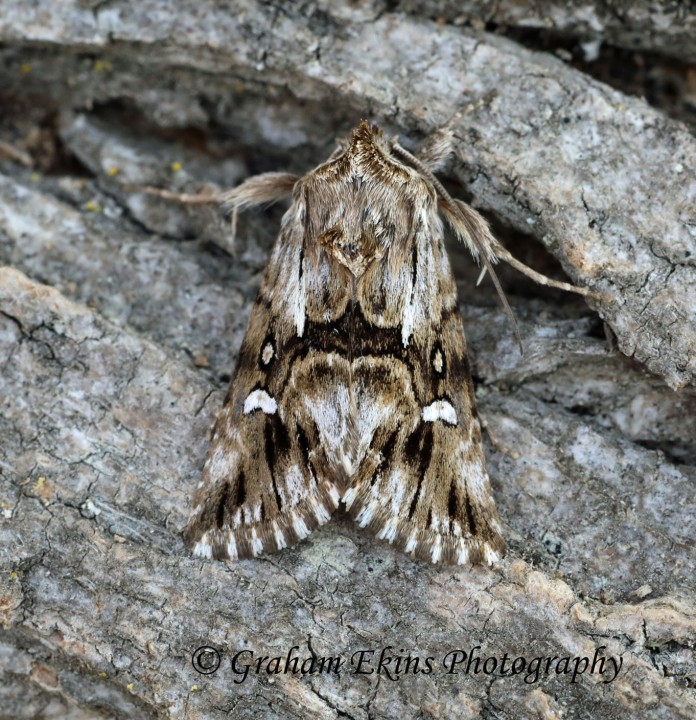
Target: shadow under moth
353 383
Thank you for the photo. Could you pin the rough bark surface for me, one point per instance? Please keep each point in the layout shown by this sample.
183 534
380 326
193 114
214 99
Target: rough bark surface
664 27
120 318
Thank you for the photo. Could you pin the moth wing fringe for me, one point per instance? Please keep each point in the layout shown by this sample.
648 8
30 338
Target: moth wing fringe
253 540
427 544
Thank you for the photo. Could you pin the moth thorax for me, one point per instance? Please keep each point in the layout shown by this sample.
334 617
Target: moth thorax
356 250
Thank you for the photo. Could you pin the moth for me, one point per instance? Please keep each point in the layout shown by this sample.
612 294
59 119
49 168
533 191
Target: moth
353 383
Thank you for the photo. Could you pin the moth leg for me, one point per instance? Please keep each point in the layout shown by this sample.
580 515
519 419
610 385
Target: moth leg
204 197
473 230
258 190
541 279
264 189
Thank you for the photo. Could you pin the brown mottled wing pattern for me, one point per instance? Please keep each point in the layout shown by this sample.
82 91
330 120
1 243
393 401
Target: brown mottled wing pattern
270 478
352 383
423 483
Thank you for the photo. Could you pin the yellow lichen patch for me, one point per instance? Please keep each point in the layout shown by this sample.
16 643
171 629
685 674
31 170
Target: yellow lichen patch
102 66
177 166
92 206
25 69
43 489
113 170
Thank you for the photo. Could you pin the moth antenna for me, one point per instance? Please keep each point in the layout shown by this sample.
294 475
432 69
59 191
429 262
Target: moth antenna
479 243
234 215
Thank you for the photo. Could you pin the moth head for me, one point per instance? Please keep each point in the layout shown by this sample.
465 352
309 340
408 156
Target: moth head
367 135
367 154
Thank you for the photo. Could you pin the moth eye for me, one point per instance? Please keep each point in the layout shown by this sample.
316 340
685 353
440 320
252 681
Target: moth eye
267 353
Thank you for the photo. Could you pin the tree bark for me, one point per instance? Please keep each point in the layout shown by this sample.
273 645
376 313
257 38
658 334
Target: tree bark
664 27
121 317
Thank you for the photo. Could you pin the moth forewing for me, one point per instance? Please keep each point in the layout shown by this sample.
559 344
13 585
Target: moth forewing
353 383
426 486
266 482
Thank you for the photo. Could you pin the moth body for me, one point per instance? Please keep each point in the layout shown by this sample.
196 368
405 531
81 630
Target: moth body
353 383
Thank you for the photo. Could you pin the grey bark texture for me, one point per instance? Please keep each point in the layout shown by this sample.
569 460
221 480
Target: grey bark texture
664 27
120 320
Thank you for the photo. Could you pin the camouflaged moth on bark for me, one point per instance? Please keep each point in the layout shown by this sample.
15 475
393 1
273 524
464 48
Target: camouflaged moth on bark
353 383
